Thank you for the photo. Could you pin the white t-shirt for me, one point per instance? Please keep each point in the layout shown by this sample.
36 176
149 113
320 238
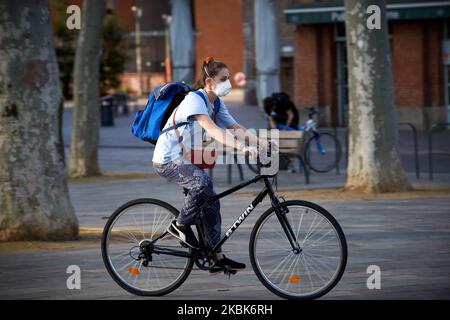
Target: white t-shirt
168 147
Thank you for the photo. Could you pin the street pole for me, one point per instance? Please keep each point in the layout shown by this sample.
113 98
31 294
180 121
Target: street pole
167 61
137 11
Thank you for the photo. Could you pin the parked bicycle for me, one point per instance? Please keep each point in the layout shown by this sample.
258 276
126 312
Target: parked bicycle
297 249
321 150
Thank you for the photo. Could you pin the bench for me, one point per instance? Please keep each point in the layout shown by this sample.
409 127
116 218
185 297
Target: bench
291 145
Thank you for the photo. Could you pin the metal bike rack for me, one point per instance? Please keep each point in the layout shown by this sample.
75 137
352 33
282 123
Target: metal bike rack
336 151
434 127
416 146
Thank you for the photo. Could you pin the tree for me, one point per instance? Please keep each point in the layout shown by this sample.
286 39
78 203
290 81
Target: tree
113 59
83 159
65 43
34 198
374 161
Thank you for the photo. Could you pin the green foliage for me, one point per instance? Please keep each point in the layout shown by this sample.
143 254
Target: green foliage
112 61
113 58
65 44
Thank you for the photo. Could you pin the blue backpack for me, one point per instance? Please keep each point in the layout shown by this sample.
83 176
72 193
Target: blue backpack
149 123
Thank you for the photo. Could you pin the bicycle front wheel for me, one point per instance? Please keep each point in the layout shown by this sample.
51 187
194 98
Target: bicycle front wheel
138 252
310 272
323 155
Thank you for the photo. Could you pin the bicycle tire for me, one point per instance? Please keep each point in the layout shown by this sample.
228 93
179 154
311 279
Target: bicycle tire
256 265
314 165
110 268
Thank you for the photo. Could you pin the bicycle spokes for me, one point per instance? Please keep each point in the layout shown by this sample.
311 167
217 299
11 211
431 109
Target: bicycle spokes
140 252
304 272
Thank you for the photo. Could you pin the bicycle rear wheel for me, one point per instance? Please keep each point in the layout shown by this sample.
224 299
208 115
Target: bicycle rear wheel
325 156
130 238
307 274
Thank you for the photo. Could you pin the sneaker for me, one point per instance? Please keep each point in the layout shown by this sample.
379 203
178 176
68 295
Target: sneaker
226 265
184 234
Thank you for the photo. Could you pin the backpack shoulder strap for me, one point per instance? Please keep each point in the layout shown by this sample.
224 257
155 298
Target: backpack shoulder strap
197 92
216 105
177 125
216 102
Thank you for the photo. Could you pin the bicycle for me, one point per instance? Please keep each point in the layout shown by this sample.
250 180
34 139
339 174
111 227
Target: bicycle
291 261
321 150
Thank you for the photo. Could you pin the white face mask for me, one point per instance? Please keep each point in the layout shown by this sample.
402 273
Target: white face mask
223 88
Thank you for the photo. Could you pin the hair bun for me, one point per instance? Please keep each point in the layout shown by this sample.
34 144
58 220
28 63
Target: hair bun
208 59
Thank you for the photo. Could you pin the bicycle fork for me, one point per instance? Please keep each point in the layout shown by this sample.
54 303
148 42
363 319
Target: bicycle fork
281 211
281 214
319 146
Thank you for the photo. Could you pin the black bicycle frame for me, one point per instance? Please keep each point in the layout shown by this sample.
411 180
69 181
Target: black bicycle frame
259 198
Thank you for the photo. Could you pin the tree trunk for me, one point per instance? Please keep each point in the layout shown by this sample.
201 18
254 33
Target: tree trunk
374 161
59 130
83 159
34 198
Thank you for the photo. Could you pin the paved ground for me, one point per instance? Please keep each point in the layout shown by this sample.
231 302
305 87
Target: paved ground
408 239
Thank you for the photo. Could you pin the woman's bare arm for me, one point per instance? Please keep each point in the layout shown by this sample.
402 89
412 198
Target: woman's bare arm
241 133
223 136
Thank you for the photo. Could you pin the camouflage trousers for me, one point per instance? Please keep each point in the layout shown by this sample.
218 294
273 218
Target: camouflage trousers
200 188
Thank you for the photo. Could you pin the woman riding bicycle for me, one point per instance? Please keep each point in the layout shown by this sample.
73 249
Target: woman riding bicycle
169 159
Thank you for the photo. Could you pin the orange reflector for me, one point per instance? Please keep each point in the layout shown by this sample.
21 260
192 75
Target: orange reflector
295 279
134 270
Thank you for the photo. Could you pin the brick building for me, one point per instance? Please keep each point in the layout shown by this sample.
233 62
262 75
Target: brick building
313 50
418 31
152 37
223 29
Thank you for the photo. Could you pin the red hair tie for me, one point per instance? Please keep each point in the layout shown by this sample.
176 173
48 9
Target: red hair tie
208 59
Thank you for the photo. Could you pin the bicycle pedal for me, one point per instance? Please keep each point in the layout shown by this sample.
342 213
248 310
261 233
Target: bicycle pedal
229 273
225 271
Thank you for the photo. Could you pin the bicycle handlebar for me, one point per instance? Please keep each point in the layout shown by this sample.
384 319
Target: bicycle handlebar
311 111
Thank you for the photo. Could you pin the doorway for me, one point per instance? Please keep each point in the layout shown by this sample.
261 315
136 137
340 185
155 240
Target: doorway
342 74
287 75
